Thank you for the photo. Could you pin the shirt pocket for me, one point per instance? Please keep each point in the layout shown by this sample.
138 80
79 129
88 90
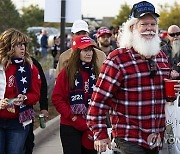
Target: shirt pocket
164 69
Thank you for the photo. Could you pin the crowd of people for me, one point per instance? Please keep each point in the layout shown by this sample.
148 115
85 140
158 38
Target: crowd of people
104 80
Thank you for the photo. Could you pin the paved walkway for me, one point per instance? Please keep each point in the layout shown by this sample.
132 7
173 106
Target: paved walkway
48 142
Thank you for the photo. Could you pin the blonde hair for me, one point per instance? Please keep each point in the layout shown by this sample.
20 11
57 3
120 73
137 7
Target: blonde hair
73 66
8 40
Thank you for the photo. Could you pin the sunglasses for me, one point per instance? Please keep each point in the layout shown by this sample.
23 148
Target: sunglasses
20 44
153 68
174 34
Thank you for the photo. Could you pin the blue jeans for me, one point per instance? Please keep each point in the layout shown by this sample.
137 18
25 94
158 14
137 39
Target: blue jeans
44 52
12 136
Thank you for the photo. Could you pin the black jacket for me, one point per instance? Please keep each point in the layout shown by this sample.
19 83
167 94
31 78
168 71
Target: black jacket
43 93
172 60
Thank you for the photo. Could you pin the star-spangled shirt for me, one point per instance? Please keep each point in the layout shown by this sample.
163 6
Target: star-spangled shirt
134 99
60 96
11 89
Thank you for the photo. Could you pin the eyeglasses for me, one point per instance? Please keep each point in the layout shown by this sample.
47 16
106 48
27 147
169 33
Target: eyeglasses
20 44
153 68
174 34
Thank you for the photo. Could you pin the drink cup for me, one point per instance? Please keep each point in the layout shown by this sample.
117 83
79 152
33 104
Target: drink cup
170 93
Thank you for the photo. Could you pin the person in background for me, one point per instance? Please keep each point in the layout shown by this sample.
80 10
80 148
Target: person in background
114 32
44 43
104 40
43 101
172 48
55 50
38 36
67 41
131 87
38 43
21 90
72 93
80 27
92 32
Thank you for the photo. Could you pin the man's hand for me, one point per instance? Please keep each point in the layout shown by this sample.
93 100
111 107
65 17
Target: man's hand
101 145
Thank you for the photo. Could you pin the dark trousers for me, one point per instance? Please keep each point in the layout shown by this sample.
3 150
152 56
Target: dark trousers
71 141
29 144
127 147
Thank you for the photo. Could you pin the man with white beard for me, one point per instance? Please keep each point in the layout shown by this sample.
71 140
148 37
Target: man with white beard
172 48
131 88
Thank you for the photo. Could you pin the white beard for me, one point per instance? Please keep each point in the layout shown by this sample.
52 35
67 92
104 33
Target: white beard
145 47
176 48
133 39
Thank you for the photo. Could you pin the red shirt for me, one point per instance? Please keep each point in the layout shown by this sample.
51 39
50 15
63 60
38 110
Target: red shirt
60 96
134 99
11 89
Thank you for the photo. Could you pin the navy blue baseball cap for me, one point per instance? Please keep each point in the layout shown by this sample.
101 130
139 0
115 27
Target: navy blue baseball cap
142 8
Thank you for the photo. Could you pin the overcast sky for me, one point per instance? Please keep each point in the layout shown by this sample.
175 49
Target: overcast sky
97 8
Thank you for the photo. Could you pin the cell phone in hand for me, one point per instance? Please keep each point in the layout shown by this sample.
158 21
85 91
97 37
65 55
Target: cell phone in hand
11 107
11 100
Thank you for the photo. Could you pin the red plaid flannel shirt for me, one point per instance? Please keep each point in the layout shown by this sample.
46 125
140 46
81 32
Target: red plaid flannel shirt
134 99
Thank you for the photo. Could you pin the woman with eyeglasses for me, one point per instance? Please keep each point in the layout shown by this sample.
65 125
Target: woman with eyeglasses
19 90
55 50
71 96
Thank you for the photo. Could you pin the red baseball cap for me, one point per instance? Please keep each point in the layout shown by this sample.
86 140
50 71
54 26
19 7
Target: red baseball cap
87 140
102 31
82 41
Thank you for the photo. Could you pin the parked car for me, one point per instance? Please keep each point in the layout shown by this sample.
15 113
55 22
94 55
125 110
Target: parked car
51 30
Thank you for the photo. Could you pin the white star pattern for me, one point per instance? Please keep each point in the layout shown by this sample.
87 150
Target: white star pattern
24 90
22 105
93 86
21 69
18 61
76 82
23 80
93 76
